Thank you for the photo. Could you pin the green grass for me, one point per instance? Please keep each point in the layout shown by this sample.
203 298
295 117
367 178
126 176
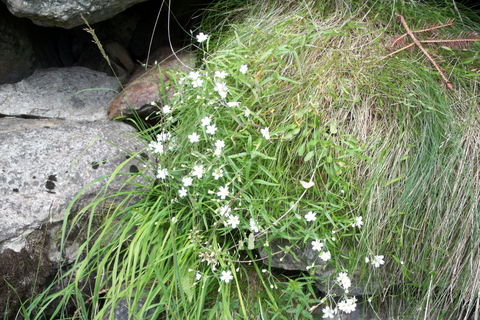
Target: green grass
382 139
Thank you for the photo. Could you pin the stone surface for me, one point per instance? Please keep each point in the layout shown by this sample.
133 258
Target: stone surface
44 164
74 93
145 86
67 14
17 55
297 257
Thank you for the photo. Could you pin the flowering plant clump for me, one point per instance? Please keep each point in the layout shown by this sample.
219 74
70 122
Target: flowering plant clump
218 159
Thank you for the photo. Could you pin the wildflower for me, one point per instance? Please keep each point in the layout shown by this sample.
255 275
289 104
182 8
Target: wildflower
264 270
220 74
206 121
194 137
317 245
358 222
233 104
201 37
166 109
198 275
367 260
348 305
174 219
243 68
311 266
198 171
226 276
234 221
310 216
164 136
223 192
156 147
325 256
187 181
247 112
162 173
217 173
328 312
197 83
344 280
225 210
194 75
211 129
182 192
219 144
265 133
254 226
217 152
377 261
221 88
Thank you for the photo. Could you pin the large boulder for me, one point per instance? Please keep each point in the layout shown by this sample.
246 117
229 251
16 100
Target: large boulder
44 164
67 14
74 93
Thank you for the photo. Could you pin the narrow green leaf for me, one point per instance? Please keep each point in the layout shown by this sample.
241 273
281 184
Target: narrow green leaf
309 156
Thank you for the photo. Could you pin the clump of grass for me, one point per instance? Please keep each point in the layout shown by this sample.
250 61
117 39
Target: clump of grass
290 130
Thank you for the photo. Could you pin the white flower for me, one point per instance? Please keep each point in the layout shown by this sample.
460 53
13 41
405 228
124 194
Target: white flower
358 222
377 261
233 221
211 129
217 152
201 37
254 226
198 275
325 256
265 133
197 83
367 260
243 68
198 171
317 245
219 144
182 192
311 266
156 147
328 312
233 104
206 121
226 276
217 173
220 74
164 136
194 75
310 216
162 173
344 280
223 192
247 112
194 137
187 181
225 211
166 109
221 88
347 305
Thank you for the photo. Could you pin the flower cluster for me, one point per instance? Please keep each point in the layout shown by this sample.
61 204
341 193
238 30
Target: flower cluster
377 261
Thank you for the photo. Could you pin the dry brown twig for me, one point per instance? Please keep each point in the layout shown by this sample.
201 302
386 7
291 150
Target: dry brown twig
451 43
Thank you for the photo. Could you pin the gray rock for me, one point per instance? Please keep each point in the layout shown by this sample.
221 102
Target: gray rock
297 257
67 14
17 56
74 93
44 164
